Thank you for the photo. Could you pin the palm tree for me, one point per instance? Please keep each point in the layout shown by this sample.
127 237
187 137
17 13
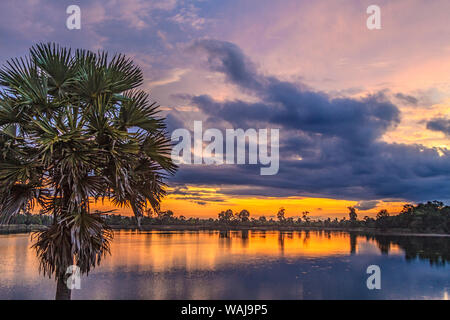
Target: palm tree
75 130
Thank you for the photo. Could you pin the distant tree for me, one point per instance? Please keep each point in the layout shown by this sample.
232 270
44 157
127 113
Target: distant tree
305 216
169 214
382 214
226 216
166 216
262 219
382 219
243 216
352 214
149 212
280 215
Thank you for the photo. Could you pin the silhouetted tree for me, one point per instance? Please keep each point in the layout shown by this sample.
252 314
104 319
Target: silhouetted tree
243 216
226 216
352 214
305 216
382 214
280 215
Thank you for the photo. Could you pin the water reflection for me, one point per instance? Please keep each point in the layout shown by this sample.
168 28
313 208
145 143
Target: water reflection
243 265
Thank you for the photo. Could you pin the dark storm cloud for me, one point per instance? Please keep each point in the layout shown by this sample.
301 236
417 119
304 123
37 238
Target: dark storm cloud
228 58
329 147
291 106
439 124
172 122
196 199
367 205
201 198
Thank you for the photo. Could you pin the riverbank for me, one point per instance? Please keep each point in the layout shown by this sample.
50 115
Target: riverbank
15 228
396 232
20 228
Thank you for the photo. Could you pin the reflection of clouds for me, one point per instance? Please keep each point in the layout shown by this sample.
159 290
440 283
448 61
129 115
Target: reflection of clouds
205 265
202 251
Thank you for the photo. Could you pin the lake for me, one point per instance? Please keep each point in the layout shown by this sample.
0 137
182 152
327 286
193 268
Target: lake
242 265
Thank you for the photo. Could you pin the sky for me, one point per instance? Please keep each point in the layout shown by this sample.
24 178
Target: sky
363 114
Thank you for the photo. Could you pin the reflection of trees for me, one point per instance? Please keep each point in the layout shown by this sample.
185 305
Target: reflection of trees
306 238
353 243
244 238
384 244
224 234
434 249
281 241
224 239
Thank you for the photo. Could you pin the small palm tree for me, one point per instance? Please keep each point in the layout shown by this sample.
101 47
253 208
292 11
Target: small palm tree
75 130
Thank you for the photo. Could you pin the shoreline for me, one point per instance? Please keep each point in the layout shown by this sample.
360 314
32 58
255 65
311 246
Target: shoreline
361 231
14 229
20 228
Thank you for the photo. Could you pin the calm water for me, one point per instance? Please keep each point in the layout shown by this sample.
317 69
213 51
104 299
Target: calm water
242 265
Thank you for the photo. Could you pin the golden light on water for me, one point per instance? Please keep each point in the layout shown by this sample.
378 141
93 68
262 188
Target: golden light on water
212 264
158 251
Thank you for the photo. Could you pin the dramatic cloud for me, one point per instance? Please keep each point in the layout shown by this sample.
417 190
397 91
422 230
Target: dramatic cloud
367 205
338 143
329 147
442 125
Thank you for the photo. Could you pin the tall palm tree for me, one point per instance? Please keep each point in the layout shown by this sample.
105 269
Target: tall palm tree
74 129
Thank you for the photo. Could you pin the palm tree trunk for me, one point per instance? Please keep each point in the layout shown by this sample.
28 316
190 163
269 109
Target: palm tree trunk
137 215
139 225
62 291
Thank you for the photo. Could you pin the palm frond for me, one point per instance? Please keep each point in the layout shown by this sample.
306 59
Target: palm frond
74 129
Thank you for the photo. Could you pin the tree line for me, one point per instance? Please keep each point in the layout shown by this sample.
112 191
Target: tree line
430 217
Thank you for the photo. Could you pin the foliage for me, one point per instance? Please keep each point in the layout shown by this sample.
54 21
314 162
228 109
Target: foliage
352 214
429 217
75 129
226 216
280 214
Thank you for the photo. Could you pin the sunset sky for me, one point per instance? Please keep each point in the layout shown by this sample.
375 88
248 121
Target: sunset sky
364 115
